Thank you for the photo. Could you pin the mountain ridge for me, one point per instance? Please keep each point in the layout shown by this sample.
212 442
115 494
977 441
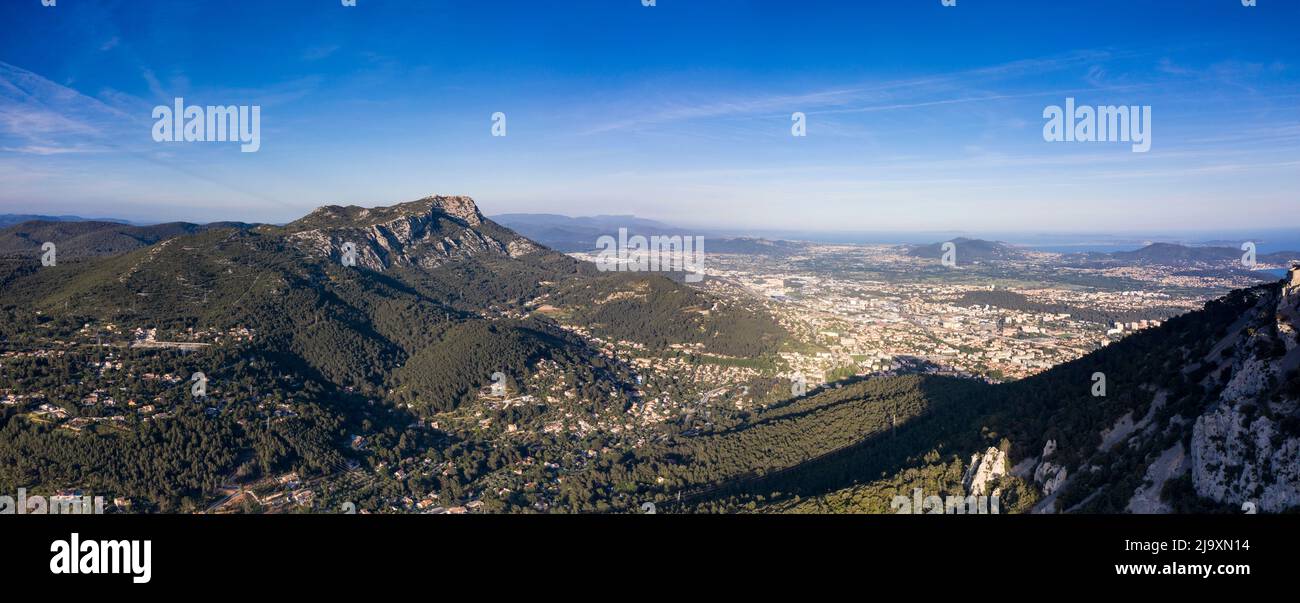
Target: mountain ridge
425 232
403 350
80 239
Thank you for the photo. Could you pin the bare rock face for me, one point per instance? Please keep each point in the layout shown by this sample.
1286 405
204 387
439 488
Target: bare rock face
1051 479
1049 475
1288 310
1239 452
984 469
1146 499
1249 379
1241 443
521 247
457 206
1235 459
427 233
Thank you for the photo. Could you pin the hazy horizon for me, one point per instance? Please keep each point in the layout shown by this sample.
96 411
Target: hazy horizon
1268 239
678 112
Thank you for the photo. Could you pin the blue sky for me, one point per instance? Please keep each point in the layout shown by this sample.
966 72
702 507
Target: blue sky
920 117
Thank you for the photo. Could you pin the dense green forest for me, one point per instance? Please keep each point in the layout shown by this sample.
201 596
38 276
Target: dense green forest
332 353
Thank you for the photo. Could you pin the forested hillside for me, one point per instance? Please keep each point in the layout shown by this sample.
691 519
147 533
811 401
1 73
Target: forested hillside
457 361
313 367
852 449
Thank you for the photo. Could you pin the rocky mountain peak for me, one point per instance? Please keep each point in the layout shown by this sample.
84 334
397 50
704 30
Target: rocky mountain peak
456 206
337 216
427 232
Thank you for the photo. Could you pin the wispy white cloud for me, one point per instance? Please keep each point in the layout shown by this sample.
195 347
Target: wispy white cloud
919 91
42 117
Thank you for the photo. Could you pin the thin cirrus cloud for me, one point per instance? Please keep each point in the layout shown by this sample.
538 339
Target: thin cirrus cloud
40 117
859 97
666 125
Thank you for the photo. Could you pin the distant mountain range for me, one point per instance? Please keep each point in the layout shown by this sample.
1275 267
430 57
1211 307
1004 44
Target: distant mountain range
568 235
968 250
1161 254
79 239
10 219
1171 254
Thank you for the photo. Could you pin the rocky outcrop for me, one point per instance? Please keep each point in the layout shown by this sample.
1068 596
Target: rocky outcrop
984 469
1050 478
1233 433
1239 450
1122 429
456 207
1237 459
427 233
1146 499
1288 311
520 247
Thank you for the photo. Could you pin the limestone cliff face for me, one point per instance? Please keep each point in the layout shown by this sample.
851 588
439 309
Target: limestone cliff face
1049 475
1240 450
427 233
1236 459
1234 434
984 469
